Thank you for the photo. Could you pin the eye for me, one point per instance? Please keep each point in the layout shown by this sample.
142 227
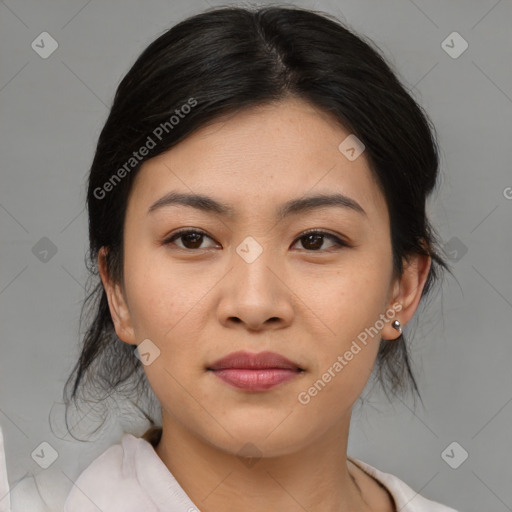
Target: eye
191 239
313 240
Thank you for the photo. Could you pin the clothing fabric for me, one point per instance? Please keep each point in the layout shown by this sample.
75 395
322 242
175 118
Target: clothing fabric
43 491
5 495
131 477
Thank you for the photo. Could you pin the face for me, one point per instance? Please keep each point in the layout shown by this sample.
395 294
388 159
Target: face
312 283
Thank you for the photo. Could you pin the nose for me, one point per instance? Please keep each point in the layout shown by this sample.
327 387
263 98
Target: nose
256 294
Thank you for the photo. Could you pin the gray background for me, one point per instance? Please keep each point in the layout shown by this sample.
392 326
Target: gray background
52 111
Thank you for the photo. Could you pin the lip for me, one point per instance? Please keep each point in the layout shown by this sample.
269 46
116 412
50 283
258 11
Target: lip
255 372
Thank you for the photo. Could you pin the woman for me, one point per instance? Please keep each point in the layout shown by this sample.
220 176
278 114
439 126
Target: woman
257 218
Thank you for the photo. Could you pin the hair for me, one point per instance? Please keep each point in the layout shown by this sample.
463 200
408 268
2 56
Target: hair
222 61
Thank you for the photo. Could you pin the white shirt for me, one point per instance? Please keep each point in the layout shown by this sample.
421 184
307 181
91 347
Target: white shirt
43 491
131 477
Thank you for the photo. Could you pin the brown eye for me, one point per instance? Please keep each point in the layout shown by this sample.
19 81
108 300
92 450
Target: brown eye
313 240
190 239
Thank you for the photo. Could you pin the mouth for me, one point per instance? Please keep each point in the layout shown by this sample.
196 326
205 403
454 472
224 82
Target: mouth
255 372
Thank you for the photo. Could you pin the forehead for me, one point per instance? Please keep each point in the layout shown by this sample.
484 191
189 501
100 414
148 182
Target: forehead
259 157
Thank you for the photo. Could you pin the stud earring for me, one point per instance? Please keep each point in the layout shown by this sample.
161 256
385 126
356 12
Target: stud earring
397 325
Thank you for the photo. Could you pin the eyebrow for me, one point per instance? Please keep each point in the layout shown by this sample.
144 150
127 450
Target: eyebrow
294 206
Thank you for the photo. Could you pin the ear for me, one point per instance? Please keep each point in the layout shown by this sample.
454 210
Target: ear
116 301
406 292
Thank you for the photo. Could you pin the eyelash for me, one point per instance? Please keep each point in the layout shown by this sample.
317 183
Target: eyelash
340 243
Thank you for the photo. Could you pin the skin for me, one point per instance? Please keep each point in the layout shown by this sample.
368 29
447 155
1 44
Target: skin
304 300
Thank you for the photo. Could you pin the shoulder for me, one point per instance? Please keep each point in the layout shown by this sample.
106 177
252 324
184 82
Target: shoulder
406 498
45 490
110 482
127 477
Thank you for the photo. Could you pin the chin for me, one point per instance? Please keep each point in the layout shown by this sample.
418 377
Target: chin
265 437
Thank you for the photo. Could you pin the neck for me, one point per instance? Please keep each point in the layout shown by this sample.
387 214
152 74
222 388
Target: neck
314 478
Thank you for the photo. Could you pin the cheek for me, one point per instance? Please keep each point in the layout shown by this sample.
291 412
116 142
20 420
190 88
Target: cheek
159 299
347 305
343 362
170 309
348 299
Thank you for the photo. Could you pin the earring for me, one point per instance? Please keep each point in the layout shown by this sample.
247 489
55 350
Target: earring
397 325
